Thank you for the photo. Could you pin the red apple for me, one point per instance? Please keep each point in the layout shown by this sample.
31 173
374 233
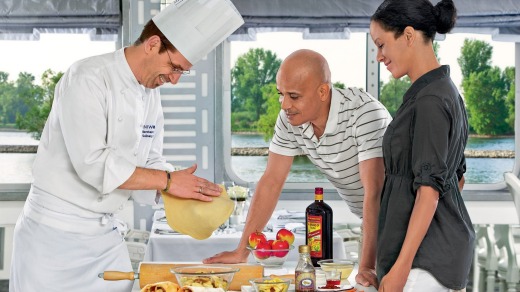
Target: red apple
270 242
255 238
285 234
280 248
263 250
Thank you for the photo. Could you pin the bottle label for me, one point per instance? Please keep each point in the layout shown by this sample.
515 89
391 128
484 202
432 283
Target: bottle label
315 235
305 281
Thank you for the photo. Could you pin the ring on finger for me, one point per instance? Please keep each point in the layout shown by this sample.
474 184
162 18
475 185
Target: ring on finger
200 190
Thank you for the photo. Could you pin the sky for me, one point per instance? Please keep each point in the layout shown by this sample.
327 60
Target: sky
346 57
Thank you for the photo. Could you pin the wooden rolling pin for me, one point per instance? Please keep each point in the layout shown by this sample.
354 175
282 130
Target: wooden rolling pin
150 273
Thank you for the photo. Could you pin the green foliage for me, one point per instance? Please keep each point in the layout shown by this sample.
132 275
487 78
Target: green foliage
509 76
475 57
436 48
484 94
392 93
339 84
34 119
488 92
267 121
252 71
7 109
242 122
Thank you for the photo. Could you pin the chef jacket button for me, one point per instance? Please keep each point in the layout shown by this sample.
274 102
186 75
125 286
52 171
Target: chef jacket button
135 153
99 199
121 207
114 147
120 119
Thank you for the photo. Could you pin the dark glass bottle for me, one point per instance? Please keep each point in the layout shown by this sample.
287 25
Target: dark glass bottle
318 228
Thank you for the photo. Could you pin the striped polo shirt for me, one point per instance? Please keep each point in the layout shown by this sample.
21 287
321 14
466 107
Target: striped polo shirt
354 132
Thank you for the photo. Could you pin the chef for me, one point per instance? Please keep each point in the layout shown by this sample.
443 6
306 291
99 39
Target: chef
102 144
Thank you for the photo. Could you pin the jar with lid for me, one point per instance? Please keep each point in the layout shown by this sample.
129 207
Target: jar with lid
305 273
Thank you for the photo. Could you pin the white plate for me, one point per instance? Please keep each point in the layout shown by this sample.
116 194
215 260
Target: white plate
342 287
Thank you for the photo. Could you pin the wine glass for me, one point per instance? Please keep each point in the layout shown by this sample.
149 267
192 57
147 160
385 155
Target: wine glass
228 186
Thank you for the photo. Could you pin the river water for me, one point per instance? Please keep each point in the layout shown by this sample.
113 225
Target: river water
16 167
479 170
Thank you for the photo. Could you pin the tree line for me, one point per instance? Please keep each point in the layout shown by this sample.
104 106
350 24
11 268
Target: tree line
489 93
24 104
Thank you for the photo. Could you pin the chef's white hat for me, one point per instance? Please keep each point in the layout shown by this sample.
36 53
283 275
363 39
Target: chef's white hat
196 27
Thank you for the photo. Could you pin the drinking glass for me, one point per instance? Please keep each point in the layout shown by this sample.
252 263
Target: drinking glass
228 185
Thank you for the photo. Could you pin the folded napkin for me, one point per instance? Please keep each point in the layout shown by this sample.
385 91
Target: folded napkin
165 286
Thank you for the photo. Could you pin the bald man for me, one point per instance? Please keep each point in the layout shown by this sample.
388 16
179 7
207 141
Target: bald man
341 132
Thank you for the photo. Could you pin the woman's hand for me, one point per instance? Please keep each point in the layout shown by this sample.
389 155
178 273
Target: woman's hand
394 281
366 277
184 184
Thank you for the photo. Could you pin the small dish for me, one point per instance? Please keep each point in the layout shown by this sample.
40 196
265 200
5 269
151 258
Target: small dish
345 266
268 284
345 288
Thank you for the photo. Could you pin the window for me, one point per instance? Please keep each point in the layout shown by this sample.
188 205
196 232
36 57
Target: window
346 58
490 152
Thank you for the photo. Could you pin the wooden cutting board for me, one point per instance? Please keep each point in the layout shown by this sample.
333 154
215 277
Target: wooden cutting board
150 273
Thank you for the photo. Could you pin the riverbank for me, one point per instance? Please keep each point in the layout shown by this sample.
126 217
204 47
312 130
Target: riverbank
264 151
246 151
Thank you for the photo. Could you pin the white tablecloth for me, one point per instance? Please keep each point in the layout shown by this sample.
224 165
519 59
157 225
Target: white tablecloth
183 248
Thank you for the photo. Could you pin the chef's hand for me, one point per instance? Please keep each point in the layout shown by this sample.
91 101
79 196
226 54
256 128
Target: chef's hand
184 184
228 257
367 277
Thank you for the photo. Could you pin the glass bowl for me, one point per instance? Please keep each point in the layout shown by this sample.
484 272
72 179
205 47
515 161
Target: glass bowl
205 276
268 284
270 257
345 266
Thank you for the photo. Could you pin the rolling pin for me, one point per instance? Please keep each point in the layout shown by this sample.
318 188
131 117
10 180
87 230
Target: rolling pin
150 273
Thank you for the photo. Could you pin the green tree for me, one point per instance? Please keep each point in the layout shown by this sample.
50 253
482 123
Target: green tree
484 94
509 76
339 84
252 71
475 57
267 120
392 93
25 96
7 111
34 119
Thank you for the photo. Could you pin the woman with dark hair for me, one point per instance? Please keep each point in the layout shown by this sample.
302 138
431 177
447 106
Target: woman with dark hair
425 238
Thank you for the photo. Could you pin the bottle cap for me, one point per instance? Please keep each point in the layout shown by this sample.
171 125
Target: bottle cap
318 191
304 248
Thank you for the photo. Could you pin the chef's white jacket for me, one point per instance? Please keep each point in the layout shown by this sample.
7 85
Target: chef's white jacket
102 126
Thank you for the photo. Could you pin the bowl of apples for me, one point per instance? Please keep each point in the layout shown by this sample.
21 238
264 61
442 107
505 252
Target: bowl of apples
273 252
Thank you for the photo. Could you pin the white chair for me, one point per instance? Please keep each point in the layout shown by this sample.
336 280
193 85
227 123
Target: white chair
136 241
508 269
513 183
486 259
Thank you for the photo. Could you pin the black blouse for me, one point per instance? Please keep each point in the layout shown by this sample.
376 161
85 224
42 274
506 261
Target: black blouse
424 146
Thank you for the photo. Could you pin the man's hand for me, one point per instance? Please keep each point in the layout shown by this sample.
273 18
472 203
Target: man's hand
367 277
184 184
228 257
